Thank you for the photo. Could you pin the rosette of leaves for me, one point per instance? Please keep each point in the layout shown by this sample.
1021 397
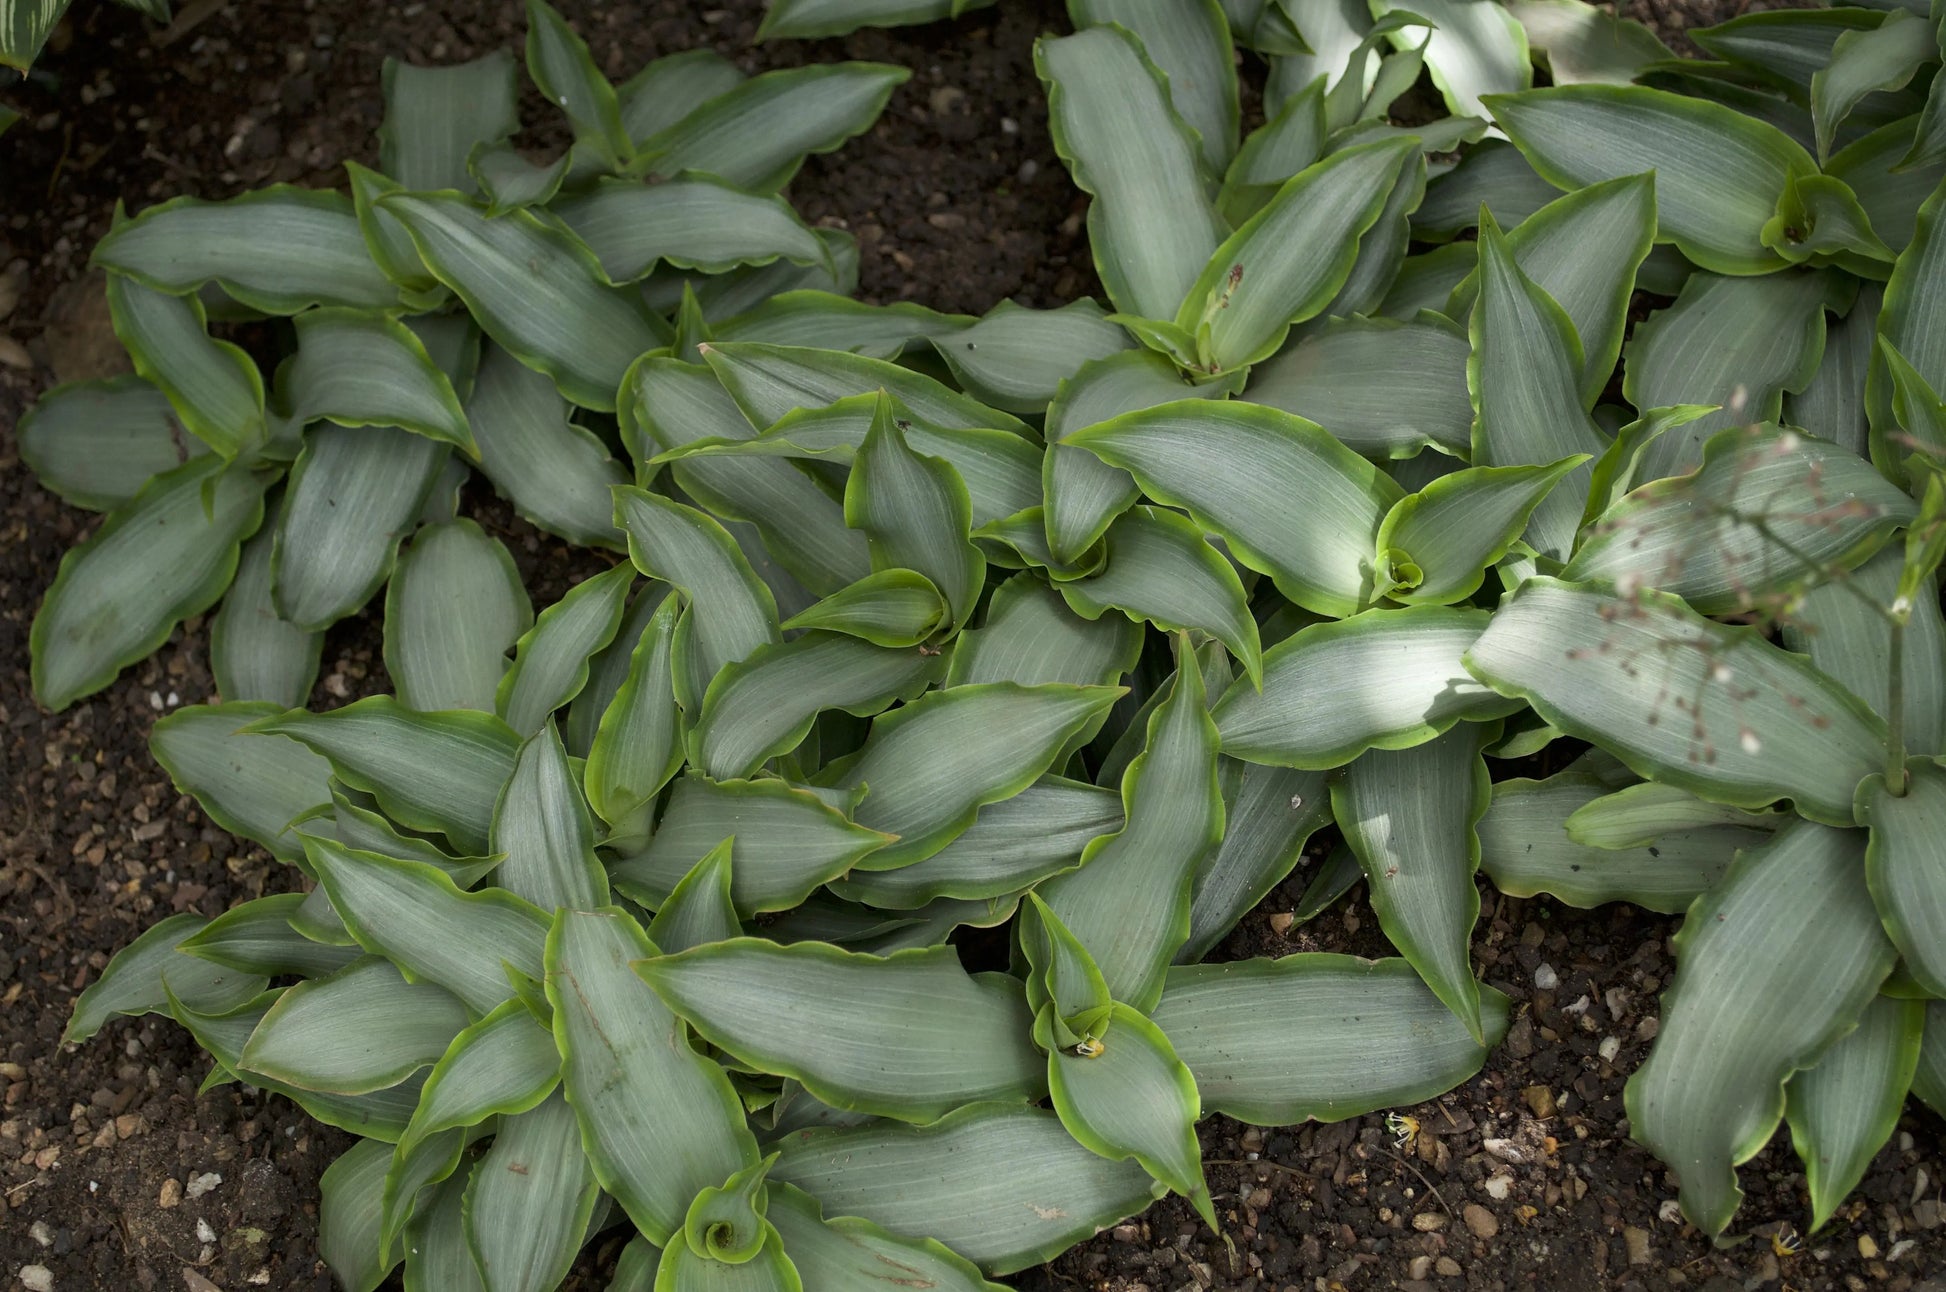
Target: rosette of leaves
1077 624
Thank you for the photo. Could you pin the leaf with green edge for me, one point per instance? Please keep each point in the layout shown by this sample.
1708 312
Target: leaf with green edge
350 1194
851 1254
434 116
213 386
1336 875
1288 499
529 1200
1438 544
132 982
1902 864
731 613
255 653
691 222
361 1029
542 829
667 89
767 1270
96 443
891 608
1242 305
639 743
1849 639
1160 570
1585 250
1584 42
764 705
251 786
1884 57
1289 141
1718 173
1491 174
769 381
608 669
1918 419
278 249
788 842
1526 850
1890 189
1189 45
1016 358
1268 815
1474 49
386 240
1151 224
166 554
1619 467
1769 509
963 1180
551 659
1637 815
415 915
825 320
1785 49
659 1121
500 1066
353 494
562 68
1409 817
357 368
699 910
1603 669
1524 378
1773 964
929 766
420 1173
1318 1037
557 474
1739 343
257 938
1031 636
1820 221
1325 700
1843 1110
355 825
510 182
1904 326
454 607
1325 44
439 772
915 514
667 405
1383 387
381 1115
1382 248
910 1036
1129 901
637 1266
1133 1098
1065 987
536 290
757 134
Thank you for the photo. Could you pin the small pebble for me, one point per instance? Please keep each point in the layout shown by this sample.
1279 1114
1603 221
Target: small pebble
1280 922
1867 1248
202 1184
1610 1047
1637 1242
37 1278
204 1233
171 1195
1545 978
1482 1222
1419 1267
1499 1186
1425 1222
41 1232
1447 1267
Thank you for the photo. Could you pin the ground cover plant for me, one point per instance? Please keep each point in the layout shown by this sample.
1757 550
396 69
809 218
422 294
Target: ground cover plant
1068 623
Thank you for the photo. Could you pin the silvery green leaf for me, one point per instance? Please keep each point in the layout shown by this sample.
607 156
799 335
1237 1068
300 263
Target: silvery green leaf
254 652
279 249
542 828
166 554
213 386
1385 388
551 659
1016 358
1773 964
454 608
1190 45
96 443
691 222
255 786
556 474
133 981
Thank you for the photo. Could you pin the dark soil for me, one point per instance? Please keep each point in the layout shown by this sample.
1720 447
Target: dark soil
957 201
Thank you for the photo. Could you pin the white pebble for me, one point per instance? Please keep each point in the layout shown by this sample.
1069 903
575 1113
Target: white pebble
41 1232
204 1233
1670 1212
37 1278
1546 979
1499 1186
1610 1047
202 1184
